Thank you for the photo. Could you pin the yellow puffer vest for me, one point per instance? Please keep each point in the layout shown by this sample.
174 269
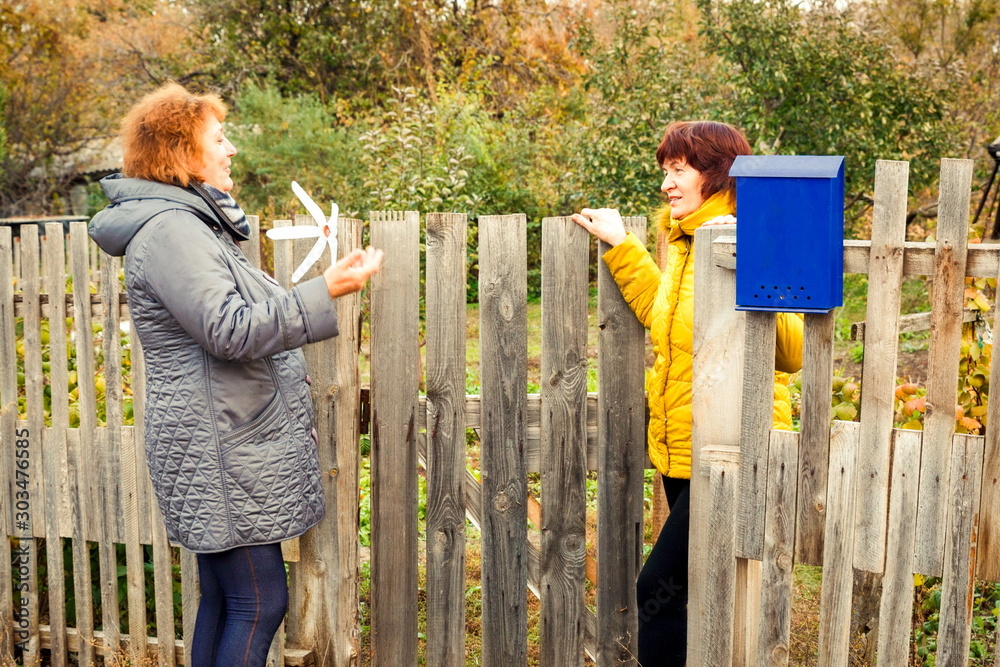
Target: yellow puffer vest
664 303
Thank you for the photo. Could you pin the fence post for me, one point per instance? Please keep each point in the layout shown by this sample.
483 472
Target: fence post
55 447
621 428
716 390
8 426
503 367
395 385
565 251
942 364
445 321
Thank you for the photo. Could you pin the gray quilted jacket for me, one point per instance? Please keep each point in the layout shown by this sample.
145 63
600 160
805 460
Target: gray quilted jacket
228 411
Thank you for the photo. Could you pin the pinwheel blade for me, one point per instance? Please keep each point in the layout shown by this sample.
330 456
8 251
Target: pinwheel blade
314 254
314 210
297 232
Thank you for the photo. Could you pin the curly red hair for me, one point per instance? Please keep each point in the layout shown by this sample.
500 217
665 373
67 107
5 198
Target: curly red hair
708 146
161 135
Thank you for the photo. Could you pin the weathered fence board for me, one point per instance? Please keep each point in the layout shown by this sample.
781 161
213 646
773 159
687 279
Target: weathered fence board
27 515
445 322
286 257
395 385
779 550
988 563
814 441
190 594
55 440
958 586
946 339
717 377
838 573
896 610
755 425
503 369
8 427
78 456
344 388
721 467
565 250
878 373
107 491
622 429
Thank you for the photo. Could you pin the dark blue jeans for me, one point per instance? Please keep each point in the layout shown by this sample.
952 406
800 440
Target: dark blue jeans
244 596
662 587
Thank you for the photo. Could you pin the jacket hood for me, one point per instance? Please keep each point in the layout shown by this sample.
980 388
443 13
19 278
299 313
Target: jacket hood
134 202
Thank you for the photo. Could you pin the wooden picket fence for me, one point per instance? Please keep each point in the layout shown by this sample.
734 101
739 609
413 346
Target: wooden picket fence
854 496
84 488
845 496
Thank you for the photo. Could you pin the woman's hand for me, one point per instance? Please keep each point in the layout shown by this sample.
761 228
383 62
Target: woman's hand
604 223
352 272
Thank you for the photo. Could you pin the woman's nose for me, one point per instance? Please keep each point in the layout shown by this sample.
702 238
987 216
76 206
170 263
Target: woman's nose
667 184
232 149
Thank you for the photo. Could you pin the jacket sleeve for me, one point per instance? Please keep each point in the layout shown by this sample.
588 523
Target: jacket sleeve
184 267
637 276
788 352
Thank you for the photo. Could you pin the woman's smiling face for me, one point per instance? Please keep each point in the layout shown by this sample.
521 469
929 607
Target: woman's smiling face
682 184
216 154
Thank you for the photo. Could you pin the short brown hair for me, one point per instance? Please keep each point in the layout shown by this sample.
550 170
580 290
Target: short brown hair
708 146
161 134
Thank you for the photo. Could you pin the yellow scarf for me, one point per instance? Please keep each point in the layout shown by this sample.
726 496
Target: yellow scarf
719 204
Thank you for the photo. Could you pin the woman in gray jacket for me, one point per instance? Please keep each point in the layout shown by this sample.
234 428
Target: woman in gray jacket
229 437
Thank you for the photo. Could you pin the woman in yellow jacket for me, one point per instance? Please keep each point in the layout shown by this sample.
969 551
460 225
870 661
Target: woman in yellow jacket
695 158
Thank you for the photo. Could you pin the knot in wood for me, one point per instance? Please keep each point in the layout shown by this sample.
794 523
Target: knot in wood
784 561
506 307
501 501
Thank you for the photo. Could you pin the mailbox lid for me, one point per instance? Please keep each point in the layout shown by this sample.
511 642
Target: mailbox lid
787 166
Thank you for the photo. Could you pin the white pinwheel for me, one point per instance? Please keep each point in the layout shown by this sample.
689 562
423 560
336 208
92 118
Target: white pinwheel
325 230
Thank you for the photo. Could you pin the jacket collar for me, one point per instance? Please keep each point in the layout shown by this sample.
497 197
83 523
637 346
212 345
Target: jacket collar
719 204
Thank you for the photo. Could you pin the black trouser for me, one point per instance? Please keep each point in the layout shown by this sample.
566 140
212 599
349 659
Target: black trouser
662 588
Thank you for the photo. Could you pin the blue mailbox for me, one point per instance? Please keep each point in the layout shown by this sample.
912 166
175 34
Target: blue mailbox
790 232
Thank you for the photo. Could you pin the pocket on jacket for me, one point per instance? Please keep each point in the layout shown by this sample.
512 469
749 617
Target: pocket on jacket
263 472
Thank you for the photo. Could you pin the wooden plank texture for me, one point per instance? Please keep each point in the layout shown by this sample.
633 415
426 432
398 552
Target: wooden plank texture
717 382
445 321
918 257
190 595
947 301
8 428
838 573
879 368
503 368
958 585
107 492
621 456
53 248
755 425
565 269
395 384
896 609
78 454
719 555
28 510
814 443
779 550
988 562
345 432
